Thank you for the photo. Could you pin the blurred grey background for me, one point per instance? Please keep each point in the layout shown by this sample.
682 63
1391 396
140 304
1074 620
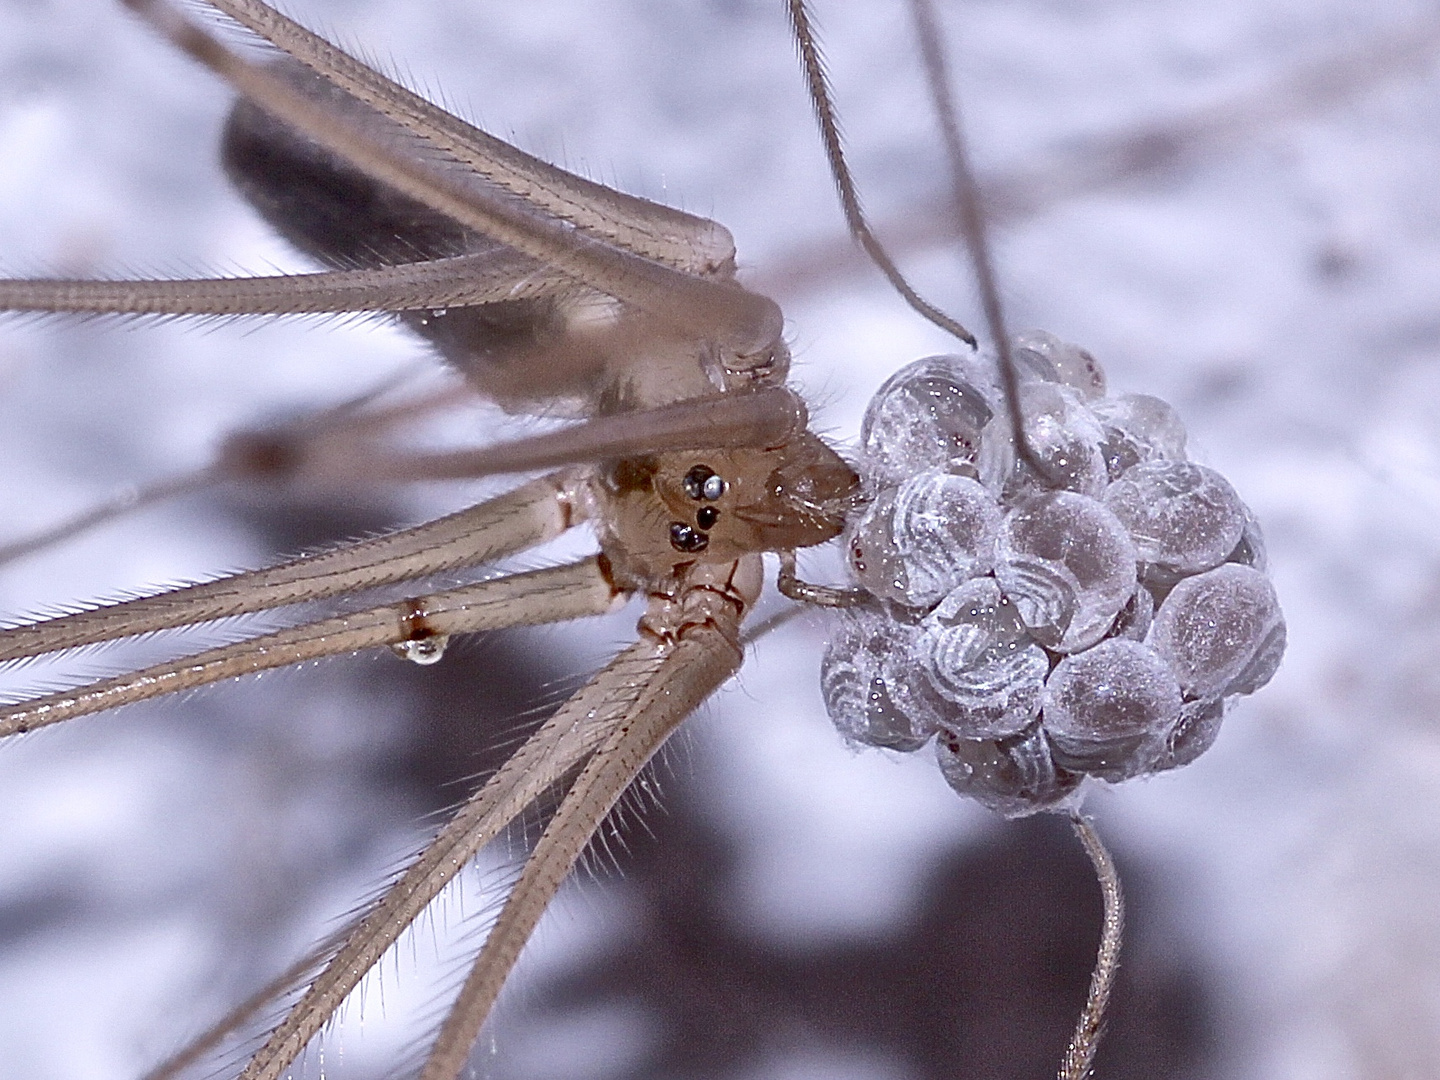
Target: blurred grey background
791 908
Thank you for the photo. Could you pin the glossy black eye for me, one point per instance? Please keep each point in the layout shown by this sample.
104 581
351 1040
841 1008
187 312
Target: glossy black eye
687 538
703 482
706 517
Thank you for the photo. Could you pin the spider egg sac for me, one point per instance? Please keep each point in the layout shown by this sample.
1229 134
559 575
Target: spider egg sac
1092 617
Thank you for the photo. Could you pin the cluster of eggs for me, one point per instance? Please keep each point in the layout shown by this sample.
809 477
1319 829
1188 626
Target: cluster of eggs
1088 609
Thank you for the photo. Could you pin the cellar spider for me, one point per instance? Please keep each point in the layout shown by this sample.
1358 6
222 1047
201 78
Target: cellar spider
1176 348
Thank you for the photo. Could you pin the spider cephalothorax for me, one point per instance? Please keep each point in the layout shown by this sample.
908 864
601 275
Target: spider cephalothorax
717 506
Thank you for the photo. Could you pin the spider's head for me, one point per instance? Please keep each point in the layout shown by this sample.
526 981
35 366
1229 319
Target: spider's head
716 506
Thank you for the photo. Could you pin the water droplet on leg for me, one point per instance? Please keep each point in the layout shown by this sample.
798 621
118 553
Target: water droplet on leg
423 651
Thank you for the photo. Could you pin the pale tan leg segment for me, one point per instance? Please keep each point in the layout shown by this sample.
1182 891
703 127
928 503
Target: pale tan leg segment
529 515
697 659
541 596
196 1049
653 231
659 679
464 280
790 585
746 324
326 450
126 502
1080 1054
566 739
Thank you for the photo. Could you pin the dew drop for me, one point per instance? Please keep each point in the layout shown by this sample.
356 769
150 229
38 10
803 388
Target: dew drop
423 651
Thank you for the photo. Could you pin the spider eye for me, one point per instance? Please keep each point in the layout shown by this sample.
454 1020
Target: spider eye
706 517
703 482
687 539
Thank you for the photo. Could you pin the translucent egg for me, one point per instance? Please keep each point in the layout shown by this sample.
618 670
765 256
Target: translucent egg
856 675
1084 604
1108 710
917 543
1194 732
1045 355
1013 777
1068 565
874 555
928 413
978 658
1066 439
1184 518
1135 617
1221 632
1138 428
1251 549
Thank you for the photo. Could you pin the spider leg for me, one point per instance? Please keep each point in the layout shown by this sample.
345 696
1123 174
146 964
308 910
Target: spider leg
335 450
556 594
769 416
462 280
1092 164
529 515
1080 1053
325 450
196 1049
687 649
696 658
126 501
542 761
748 325
684 241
